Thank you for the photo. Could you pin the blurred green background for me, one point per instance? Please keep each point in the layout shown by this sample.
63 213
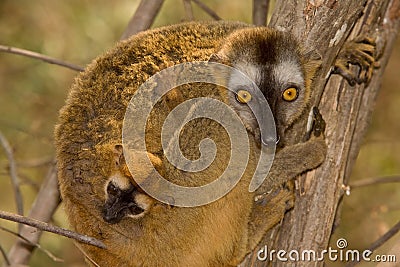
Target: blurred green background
32 92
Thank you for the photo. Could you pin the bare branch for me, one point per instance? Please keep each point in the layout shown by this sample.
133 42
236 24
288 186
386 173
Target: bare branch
27 53
389 234
260 12
375 180
48 253
143 18
395 251
13 175
187 4
208 10
374 246
43 208
51 228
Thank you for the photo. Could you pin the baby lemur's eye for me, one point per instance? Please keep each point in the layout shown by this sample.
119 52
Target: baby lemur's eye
243 96
112 189
290 94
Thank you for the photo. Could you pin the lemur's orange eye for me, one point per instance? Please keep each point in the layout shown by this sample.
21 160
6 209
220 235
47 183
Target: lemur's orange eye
290 94
243 96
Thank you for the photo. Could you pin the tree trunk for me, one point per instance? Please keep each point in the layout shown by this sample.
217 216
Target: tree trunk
326 25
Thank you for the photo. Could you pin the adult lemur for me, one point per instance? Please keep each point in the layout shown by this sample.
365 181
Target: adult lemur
99 193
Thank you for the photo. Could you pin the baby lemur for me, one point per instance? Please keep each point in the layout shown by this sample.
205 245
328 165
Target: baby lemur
99 193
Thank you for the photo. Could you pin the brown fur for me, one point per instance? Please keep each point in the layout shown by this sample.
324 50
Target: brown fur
89 128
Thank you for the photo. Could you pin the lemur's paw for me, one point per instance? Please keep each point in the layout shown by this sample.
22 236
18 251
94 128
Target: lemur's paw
360 52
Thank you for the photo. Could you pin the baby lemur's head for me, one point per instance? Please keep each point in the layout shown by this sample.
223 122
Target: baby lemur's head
124 199
274 62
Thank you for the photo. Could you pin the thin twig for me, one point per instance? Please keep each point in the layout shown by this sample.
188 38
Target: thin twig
374 246
51 228
187 4
394 252
389 234
208 10
48 253
46 203
375 180
143 18
3 253
260 12
13 175
51 60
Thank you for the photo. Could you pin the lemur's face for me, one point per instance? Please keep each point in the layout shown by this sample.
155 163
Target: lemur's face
273 62
123 199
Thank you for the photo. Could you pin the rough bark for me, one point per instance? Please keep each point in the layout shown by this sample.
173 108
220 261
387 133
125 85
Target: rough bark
325 26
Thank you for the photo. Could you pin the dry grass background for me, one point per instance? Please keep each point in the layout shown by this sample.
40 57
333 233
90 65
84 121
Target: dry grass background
32 92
